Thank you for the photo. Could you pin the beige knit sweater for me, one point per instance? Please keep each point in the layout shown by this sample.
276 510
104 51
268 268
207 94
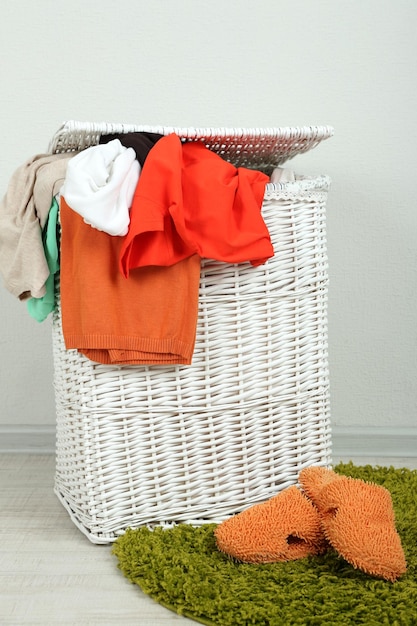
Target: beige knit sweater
23 213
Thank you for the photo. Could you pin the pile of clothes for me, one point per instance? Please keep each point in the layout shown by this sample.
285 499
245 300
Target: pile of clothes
126 223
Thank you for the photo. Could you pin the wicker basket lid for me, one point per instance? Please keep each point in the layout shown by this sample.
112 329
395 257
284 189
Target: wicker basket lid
259 148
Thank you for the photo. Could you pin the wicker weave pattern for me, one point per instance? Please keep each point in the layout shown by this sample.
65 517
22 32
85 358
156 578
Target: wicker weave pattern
259 148
145 445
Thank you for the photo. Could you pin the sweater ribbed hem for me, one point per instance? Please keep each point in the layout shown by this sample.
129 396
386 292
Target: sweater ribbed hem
109 349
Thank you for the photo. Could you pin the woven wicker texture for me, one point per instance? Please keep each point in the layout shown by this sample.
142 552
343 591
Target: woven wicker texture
259 148
146 445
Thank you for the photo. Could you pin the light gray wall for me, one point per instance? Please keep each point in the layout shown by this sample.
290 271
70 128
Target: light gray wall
240 63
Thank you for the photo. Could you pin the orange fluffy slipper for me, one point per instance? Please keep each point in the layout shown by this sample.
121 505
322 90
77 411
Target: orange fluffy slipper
358 521
284 528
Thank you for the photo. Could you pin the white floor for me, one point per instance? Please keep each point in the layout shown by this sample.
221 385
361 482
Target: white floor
50 573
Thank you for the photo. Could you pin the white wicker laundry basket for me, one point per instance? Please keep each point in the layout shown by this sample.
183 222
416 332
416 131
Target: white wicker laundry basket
166 444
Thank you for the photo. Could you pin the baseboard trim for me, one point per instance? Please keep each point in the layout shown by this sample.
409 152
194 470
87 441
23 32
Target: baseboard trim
24 439
348 442
373 442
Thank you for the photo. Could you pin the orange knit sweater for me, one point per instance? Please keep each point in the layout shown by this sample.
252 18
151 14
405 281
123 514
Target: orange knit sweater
148 319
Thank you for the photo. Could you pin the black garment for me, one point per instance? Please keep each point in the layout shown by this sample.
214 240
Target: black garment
140 142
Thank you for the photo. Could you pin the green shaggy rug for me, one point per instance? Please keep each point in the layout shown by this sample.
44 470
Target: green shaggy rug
181 569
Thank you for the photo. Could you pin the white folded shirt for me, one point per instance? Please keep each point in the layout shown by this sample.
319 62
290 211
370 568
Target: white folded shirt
99 185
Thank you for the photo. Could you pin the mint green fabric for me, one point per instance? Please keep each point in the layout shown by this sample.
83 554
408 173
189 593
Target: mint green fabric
182 569
40 308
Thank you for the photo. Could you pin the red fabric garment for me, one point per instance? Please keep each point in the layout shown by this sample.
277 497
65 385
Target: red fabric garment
189 200
148 319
